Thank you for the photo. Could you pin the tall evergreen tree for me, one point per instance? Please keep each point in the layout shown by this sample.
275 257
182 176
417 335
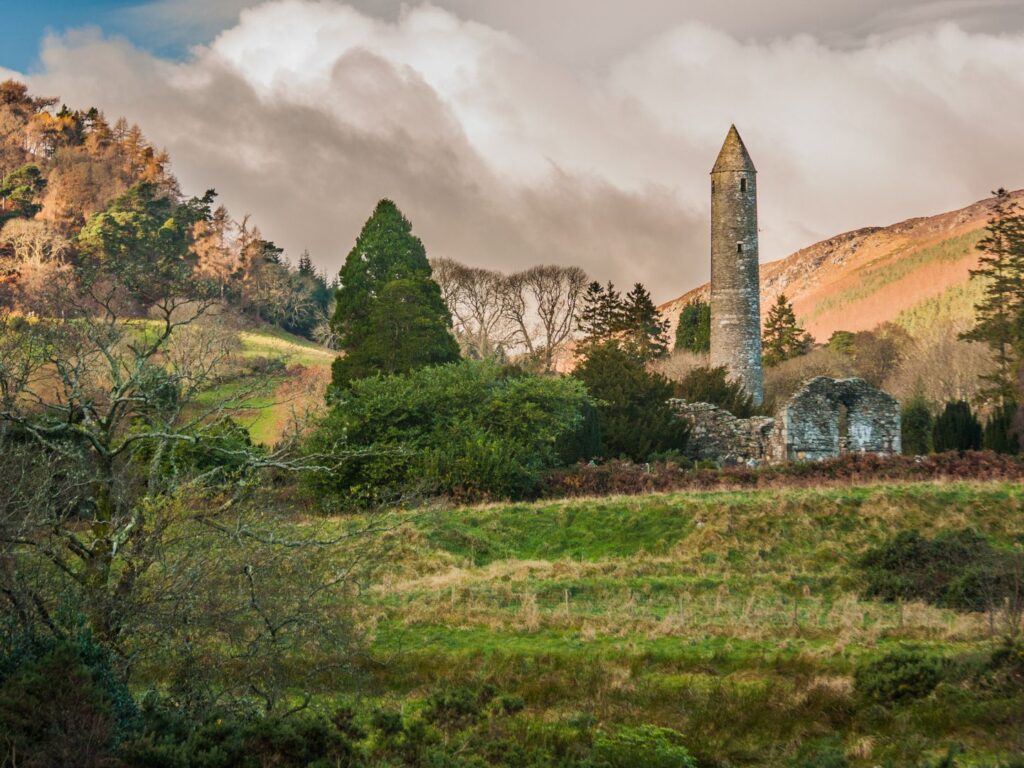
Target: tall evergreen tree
389 313
783 336
999 316
645 331
694 330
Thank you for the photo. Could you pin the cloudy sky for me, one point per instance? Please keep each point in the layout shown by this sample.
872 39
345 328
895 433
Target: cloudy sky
570 131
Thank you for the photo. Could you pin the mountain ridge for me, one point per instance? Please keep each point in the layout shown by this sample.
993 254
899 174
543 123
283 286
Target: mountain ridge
858 279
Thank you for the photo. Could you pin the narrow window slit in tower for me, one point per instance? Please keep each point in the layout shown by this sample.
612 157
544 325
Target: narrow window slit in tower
743 185
739 247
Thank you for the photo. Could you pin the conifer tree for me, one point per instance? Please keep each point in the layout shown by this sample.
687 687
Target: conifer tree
645 331
956 428
635 419
783 336
694 330
601 317
999 316
1000 434
389 314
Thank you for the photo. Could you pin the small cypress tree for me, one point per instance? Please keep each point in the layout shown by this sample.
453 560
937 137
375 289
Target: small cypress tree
783 336
1000 435
694 330
956 428
916 426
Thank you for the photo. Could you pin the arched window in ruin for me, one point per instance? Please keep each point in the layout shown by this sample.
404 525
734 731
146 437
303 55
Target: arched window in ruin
743 184
739 247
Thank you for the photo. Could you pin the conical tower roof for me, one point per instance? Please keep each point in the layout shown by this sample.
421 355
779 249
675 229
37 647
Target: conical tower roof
734 155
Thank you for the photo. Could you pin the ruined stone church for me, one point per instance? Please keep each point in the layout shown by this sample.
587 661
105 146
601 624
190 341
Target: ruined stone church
826 417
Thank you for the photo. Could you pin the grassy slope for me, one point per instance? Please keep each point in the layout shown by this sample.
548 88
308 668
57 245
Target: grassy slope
268 407
732 617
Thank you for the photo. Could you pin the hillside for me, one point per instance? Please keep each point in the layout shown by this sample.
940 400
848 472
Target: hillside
912 273
274 376
733 618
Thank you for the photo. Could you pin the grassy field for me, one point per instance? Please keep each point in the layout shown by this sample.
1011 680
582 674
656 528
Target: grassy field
732 617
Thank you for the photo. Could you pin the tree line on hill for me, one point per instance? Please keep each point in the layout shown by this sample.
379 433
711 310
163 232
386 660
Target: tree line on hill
65 173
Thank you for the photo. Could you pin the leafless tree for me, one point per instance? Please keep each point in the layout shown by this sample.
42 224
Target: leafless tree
541 304
477 300
940 366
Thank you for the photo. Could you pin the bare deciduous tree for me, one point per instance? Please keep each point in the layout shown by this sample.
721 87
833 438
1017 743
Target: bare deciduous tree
476 298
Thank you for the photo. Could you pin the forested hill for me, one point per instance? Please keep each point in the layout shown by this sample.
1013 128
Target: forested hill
914 273
65 172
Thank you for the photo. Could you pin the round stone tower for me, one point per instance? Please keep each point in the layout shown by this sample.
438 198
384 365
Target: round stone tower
735 276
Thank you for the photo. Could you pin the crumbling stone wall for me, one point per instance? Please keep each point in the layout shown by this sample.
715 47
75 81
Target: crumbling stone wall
718 435
825 418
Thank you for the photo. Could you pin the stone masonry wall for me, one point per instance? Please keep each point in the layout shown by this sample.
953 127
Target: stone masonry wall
825 418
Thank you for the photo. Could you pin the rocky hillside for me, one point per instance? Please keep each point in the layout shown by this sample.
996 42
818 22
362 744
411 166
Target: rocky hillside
913 273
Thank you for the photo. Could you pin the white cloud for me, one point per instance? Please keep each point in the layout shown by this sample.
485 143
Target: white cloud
305 113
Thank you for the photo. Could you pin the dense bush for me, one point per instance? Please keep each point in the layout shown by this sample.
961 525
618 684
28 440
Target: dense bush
897 677
224 740
1000 434
469 430
956 429
916 427
645 745
61 702
713 385
632 407
956 569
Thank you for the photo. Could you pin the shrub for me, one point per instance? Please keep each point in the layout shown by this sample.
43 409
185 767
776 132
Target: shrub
632 404
646 745
713 385
827 753
897 677
956 569
469 430
956 428
916 427
61 701
228 740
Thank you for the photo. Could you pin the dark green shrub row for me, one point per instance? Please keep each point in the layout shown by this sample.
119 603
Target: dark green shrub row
956 569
